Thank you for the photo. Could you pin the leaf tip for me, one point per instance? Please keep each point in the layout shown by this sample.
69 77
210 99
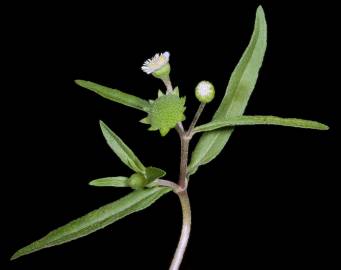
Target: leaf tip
324 127
79 82
15 256
104 128
260 10
102 124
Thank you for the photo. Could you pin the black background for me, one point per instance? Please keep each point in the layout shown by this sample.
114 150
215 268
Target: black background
267 201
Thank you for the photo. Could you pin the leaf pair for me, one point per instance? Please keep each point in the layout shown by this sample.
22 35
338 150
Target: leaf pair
239 89
128 157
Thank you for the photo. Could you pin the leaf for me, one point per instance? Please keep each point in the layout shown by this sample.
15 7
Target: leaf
153 173
261 120
122 150
239 89
95 220
118 181
115 95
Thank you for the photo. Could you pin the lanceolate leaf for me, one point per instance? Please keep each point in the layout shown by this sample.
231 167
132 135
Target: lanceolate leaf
261 120
118 181
122 150
115 95
95 220
241 84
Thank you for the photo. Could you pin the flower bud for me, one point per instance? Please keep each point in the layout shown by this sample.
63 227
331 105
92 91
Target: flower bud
204 91
137 181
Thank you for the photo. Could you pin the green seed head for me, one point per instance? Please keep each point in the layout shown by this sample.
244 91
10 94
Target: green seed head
204 91
165 112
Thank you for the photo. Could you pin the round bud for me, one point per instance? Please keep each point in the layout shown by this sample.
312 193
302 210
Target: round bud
137 181
204 91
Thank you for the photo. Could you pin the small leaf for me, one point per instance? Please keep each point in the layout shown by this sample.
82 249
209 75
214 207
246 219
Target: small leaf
122 150
238 92
97 219
115 95
153 173
261 120
118 181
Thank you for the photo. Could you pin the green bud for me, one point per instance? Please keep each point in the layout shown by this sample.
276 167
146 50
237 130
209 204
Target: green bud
137 181
204 91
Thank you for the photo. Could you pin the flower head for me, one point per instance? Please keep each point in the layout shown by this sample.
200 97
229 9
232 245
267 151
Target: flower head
156 62
205 92
158 66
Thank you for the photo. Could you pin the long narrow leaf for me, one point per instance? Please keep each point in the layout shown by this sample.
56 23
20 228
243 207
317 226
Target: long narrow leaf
95 220
261 120
118 181
240 87
115 95
122 150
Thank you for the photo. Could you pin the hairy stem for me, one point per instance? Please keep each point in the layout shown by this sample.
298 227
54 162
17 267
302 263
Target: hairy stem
185 231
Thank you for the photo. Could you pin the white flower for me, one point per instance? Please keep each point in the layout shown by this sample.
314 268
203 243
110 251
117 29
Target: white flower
156 62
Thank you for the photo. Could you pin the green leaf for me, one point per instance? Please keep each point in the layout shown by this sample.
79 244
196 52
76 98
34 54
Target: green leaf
153 173
118 181
95 220
122 150
240 87
115 95
261 120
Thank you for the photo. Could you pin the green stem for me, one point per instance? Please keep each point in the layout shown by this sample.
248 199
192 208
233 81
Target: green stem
185 231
